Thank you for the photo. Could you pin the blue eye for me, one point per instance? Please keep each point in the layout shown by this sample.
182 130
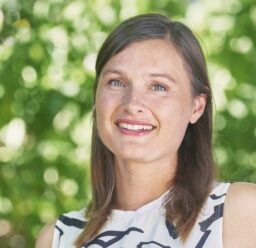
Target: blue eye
159 87
116 83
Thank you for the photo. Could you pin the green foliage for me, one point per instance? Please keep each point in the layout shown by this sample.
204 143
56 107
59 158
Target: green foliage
47 56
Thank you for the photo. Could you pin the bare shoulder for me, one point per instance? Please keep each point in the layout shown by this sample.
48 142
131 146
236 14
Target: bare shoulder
242 194
45 237
239 226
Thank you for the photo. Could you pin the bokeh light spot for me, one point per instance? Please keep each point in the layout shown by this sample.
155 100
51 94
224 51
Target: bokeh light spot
221 24
79 41
196 21
252 159
51 176
8 170
128 9
221 155
69 88
242 44
98 38
64 118
5 227
73 10
47 212
12 11
237 109
13 134
82 131
41 8
18 241
220 122
17 108
24 32
69 187
29 76
6 48
5 154
106 14
48 150
221 80
89 62
247 91
253 14
242 157
5 205
55 74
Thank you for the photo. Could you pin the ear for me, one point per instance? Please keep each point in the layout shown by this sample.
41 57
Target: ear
199 103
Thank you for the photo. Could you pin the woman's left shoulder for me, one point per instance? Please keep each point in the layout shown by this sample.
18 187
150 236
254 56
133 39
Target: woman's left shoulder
241 200
242 194
240 215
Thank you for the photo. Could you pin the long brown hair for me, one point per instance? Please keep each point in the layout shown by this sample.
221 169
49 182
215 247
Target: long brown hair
195 170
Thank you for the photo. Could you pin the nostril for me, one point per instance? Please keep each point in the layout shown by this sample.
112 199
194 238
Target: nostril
134 105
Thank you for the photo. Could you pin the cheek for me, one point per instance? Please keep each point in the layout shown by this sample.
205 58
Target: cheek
105 99
174 113
100 113
102 104
105 108
104 112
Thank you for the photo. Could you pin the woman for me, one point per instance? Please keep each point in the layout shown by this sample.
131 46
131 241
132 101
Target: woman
151 163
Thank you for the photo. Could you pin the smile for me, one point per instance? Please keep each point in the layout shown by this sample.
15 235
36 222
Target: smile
135 127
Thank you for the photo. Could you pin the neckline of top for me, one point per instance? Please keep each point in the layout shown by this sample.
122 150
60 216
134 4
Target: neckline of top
156 203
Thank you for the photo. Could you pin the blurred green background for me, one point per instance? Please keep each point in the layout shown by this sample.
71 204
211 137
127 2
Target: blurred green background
47 55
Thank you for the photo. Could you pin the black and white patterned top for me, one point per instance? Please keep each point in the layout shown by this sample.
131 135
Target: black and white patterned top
147 227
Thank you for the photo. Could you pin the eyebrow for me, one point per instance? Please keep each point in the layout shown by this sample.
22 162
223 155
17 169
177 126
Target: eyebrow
112 71
163 75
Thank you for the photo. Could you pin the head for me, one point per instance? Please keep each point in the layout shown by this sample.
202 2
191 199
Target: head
157 27
195 165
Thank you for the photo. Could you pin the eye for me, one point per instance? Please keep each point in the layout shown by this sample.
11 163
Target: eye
159 87
116 83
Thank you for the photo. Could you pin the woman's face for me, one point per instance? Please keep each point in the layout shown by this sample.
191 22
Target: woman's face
144 102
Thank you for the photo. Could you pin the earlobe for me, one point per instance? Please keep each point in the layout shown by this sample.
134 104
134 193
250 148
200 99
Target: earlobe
199 103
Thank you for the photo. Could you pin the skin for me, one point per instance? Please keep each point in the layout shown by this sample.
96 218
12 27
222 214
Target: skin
153 88
239 222
45 237
147 82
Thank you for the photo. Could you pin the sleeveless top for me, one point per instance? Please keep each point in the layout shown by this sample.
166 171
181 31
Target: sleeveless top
147 227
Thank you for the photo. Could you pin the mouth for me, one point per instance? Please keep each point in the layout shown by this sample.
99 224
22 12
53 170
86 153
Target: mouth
134 127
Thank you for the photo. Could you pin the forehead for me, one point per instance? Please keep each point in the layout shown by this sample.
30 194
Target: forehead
149 48
154 54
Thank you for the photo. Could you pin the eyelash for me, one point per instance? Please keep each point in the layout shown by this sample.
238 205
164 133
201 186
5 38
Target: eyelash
163 88
119 83
116 83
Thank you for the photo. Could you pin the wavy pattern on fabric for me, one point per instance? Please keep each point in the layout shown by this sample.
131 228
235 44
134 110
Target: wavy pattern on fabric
147 227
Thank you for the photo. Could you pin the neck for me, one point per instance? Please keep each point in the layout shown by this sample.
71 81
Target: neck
140 183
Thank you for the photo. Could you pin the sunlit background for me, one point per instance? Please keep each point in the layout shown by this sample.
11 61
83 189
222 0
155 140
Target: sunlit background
47 55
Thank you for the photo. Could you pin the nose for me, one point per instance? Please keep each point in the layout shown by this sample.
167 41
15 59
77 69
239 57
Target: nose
134 101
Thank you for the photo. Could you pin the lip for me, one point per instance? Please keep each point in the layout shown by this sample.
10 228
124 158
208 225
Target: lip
137 133
134 122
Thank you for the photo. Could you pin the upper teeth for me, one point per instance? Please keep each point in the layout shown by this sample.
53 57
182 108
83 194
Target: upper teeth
135 127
